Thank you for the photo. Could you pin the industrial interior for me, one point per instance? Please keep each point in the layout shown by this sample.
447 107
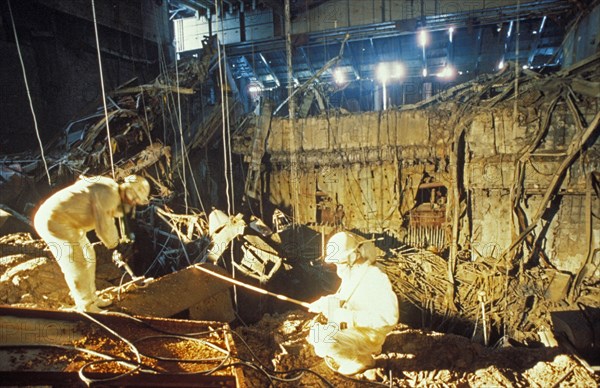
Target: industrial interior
453 145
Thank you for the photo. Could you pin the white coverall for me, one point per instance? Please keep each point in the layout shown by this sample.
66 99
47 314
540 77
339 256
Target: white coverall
360 315
63 220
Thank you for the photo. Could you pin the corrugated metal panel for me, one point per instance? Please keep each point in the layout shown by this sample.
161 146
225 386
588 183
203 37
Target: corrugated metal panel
259 25
189 32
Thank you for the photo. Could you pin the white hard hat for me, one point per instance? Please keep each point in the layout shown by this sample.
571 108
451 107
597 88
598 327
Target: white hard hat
340 248
136 189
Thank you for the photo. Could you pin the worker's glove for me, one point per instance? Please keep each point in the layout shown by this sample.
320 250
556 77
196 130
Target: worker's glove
125 248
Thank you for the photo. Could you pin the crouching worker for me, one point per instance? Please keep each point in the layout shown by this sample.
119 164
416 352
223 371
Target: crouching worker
360 314
91 203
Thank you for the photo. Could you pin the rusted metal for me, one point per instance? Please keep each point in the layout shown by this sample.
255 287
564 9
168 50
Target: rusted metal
71 379
172 293
24 329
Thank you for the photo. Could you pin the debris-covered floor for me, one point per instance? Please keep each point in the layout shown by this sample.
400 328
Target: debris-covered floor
277 342
483 200
412 358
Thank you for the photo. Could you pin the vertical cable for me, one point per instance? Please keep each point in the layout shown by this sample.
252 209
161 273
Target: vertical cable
517 33
294 183
229 155
179 123
110 152
515 122
224 127
35 124
226 151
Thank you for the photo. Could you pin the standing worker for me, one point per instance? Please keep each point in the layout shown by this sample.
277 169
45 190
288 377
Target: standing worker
91 203
360 314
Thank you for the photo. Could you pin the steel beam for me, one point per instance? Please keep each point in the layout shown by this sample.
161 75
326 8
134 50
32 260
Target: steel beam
490 16
269 69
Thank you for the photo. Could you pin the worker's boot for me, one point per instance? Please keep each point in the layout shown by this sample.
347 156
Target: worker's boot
102 301
96 305
350 367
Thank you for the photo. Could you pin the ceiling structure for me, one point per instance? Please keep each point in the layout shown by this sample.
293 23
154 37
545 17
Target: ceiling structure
459 46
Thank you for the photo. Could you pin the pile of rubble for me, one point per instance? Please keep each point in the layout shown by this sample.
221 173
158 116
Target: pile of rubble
514 299
410 358
30 276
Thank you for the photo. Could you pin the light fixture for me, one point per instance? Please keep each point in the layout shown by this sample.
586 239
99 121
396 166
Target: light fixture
422 38
501 65
339 76
450 32
424 72
447 72
383 71
398 70
389 70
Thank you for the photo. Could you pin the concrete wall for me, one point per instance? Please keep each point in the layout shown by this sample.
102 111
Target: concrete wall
373 163
58 43
142 18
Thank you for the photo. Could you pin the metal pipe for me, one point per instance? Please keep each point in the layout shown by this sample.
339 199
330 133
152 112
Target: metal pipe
195 4
253 288
482 298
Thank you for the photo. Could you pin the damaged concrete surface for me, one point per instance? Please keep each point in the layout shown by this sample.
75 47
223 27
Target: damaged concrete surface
501 188
412 358
483 203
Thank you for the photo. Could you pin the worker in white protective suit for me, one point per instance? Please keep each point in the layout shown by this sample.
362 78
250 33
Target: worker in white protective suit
360 314
91 203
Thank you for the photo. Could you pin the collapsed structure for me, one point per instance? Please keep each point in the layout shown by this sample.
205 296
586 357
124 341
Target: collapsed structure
483 201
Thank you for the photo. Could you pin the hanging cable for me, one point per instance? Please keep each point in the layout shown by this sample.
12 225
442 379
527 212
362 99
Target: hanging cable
517 71
195 184
172 112
226 150
110 152
229 171
35 124
181 140
505 327
222 83
228 126
294 178
229 155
